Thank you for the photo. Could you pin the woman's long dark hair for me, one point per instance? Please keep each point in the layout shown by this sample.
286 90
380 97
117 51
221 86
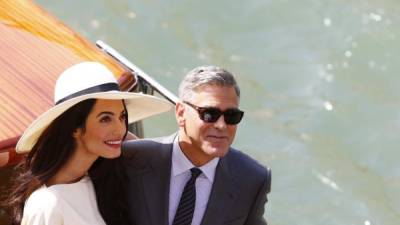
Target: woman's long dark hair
108 177
52 150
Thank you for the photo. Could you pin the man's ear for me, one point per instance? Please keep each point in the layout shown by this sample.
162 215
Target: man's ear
180 114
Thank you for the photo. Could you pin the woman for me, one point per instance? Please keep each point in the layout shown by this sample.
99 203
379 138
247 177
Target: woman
74 147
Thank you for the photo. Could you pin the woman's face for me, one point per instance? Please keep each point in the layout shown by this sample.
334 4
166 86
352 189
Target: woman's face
104 129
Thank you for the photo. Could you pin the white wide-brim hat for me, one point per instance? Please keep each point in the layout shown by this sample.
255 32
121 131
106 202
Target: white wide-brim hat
89 80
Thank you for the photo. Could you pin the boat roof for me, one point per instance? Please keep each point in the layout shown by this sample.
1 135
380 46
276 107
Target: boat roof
35 48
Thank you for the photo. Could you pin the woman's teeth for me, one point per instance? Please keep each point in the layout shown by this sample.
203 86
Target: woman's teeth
113 142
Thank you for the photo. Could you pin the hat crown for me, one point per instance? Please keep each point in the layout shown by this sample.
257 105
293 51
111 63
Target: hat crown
80 77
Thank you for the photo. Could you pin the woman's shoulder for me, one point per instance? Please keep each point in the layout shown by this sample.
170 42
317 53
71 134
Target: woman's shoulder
42 207
40 199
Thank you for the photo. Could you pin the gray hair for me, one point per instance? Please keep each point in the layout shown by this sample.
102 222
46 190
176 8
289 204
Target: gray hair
206 75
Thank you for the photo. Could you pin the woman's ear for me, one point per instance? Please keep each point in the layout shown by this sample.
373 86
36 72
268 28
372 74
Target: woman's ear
77 133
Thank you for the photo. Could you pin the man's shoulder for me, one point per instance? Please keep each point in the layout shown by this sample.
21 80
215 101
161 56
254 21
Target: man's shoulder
145 144
245 166
146 149
248 172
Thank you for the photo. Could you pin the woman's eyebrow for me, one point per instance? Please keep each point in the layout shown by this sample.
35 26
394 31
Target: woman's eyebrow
105 112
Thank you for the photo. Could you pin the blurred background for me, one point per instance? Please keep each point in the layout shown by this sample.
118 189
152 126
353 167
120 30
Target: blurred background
320 90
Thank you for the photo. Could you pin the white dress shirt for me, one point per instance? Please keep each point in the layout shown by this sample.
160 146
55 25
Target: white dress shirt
180 174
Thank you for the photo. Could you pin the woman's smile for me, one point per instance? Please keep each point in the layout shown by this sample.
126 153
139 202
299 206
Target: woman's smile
114 143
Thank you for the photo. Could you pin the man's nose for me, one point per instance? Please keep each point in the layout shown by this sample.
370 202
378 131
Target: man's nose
220 123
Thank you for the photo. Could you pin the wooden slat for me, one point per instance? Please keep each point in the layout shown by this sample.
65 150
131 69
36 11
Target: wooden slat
35 48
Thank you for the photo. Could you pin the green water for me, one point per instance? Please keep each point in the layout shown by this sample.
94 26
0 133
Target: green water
320 88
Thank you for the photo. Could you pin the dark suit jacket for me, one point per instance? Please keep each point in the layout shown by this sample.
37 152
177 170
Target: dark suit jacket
238 194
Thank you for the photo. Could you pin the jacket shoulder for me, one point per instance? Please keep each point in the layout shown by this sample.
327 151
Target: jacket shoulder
141 151
132 147
247 168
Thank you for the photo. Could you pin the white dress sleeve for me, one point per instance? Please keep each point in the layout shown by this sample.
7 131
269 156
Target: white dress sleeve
42 208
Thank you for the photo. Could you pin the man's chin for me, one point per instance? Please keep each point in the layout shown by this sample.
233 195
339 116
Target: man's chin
217 151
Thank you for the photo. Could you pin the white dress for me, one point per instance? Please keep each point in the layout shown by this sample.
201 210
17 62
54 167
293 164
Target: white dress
67 204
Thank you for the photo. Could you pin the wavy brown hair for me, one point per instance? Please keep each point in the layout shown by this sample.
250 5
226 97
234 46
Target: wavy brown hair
52 150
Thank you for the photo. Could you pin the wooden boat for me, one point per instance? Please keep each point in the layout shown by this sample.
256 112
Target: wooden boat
35 48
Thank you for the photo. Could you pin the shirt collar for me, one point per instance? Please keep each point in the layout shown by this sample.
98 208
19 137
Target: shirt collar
181 164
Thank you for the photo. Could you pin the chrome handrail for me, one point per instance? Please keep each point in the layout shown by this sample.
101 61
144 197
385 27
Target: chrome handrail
137 72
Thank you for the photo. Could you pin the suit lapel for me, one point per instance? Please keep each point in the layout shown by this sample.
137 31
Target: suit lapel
222 195
156 181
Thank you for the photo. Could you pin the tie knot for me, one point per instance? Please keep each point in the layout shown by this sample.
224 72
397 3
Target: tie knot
195 172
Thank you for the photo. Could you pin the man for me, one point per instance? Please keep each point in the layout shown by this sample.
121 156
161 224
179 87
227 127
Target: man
225 186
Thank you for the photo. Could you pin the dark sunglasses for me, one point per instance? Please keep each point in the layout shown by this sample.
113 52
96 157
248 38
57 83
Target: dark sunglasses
212 114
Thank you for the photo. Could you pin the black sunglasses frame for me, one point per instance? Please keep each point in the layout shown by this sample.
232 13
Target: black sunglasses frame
231 116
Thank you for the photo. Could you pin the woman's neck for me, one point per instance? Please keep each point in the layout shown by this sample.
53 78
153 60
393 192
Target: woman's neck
74 169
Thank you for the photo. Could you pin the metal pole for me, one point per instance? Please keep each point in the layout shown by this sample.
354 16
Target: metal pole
140 73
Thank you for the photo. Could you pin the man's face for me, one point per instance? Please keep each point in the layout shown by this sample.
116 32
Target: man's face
202 141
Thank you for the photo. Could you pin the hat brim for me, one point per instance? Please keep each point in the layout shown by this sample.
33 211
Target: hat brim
139 106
